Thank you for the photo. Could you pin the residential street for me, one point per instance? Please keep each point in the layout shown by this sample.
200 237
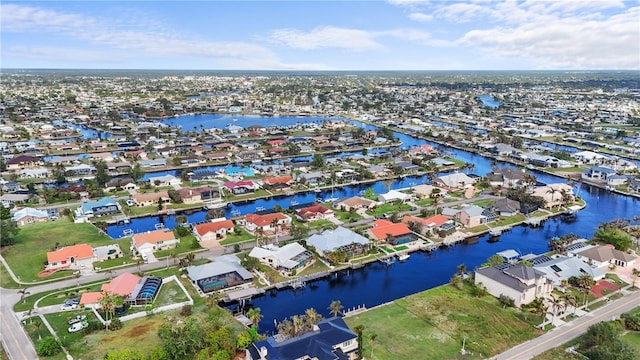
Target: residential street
571 330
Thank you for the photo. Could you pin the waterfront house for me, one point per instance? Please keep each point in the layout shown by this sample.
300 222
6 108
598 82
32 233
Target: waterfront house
277 183
394 234
266 222
154 240
598 173
198 194
133 289
473 215
240 187
454 181
339 240
89 209
223 272
164 180
80 170
394 195
618 180
23 162
506 207
355 202
562 268
151 198
213 230
426 191
554 194
123 183
521 283
588 157
28 215
433 223
152 163
314 212
286 259
70 257
330 339
606 255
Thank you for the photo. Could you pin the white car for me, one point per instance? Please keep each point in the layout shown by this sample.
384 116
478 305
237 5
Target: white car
78 326
68 306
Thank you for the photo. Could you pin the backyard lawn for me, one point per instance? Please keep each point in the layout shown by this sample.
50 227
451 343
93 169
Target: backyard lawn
434 323
233 238
27 257
388 209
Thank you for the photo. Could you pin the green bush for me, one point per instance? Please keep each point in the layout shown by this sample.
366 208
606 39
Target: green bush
48 347
115 324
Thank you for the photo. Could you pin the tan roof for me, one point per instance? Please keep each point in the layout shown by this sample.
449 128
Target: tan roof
80 251
152 196
356 200
153 237
604 253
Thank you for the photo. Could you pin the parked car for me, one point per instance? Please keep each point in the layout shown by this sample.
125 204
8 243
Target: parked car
67 306
77 319
78 326
72 301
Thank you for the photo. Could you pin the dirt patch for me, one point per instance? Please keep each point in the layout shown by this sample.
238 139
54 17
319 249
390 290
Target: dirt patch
601 285
139 330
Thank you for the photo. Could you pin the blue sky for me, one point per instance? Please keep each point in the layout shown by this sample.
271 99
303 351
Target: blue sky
322 35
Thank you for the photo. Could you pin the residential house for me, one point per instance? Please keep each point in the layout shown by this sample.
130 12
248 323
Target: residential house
598 173
80 170
213 230
426 191
277 183
164 180
223 272
355 202
266 222
151 241
562 268
506 207
554 194
473 215
286 259
394 234
70 257
314 212
454 181
606 255
89 209
433 223
330 339
240 187
133 289
198 194
34 173
521 283
618 180
28 215
153 163
23 162
123 183
20 197
339 240
394 195
151 198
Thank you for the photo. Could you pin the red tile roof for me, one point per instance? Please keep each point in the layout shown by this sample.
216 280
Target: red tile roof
437 220
122 285
80 251
383 227
263 220
313 210
90 298
153 237
278 180
203 229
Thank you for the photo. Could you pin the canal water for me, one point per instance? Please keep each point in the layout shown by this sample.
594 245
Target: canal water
378 283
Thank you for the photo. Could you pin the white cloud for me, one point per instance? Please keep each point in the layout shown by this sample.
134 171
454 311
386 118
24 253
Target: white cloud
408 2
48 53
461 12
567 42
326 37
417 16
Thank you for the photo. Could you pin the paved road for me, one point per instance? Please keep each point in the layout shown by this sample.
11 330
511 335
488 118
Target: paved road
571 330
14 339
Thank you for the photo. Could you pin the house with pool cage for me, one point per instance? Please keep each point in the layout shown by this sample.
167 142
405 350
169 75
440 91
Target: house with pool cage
135 290
223 272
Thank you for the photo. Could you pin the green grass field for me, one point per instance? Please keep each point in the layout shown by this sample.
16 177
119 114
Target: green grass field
27 257
434 324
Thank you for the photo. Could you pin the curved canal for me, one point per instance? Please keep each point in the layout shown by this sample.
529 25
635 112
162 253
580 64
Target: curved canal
376 283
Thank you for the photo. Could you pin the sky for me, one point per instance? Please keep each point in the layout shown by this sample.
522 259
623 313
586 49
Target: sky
322 35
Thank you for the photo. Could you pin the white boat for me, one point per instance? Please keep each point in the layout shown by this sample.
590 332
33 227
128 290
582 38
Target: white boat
403 257
215 205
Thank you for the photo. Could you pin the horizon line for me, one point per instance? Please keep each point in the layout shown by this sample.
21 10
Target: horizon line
311 70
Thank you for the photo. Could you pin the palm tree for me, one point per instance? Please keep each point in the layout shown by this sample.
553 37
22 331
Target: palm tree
107 303
335 308
359 330
570 300
556 306
540 309
585 282
23 294
299 325
372 339
254 316
635 273
462 268
312 317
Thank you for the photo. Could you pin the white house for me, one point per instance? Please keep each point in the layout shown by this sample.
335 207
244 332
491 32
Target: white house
521 283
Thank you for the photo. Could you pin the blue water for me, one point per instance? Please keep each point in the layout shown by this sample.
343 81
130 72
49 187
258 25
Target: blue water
488 101
376 284
221 121
87 133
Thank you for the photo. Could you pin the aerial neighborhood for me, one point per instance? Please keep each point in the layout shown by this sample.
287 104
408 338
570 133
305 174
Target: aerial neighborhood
188 207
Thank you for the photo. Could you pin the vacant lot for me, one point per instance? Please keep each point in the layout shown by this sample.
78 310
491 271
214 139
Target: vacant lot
27 257
435 323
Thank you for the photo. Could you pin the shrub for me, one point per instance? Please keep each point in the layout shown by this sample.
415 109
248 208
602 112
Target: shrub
506 301
48 347
181 231
115 324
186 310
631 321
